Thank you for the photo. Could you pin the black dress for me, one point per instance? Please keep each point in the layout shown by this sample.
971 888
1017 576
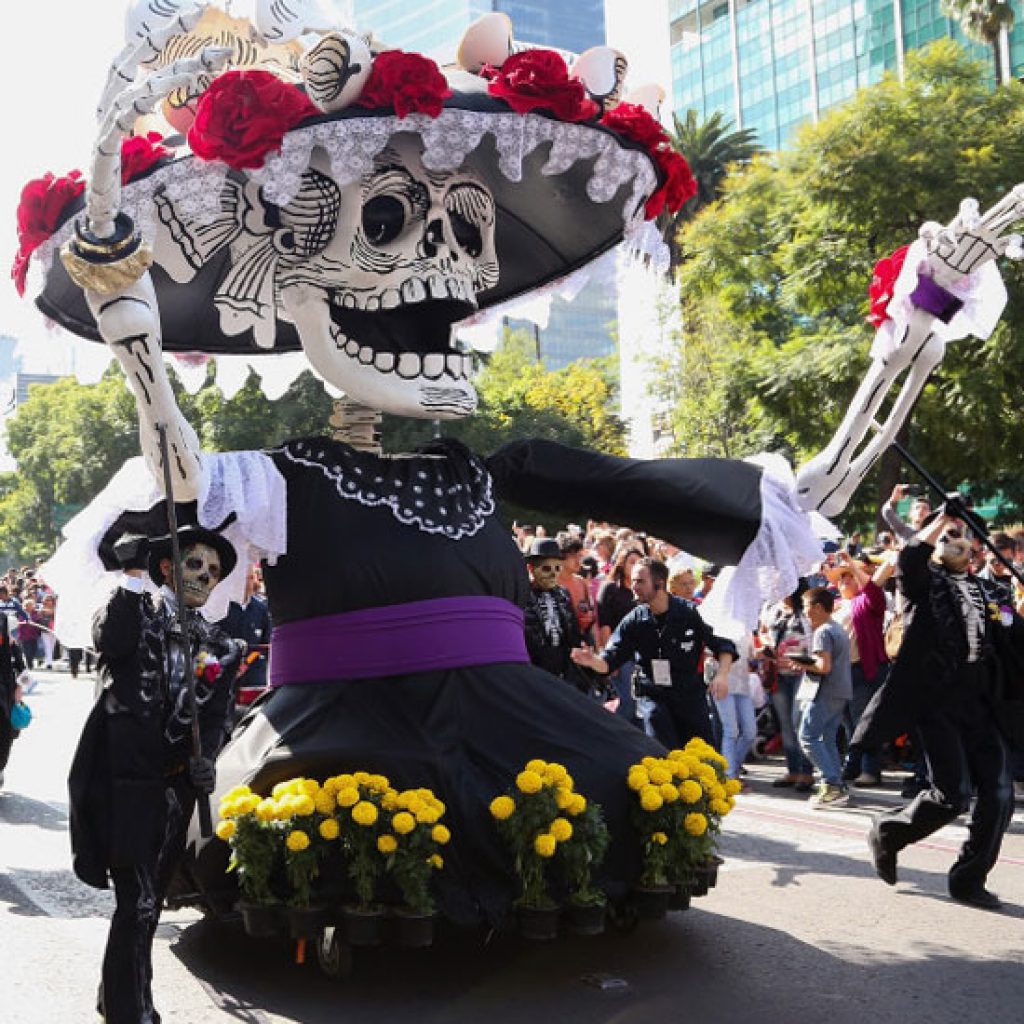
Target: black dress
367 531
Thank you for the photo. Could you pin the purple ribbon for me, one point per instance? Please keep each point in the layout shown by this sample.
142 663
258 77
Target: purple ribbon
398 639
930 296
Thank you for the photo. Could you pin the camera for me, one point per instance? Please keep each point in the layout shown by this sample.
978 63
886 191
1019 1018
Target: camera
913 490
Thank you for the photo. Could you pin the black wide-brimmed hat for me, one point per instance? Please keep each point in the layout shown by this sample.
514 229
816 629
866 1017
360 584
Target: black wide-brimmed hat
542 548
570 177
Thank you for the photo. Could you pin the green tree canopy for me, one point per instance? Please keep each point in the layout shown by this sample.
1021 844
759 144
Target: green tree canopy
775 275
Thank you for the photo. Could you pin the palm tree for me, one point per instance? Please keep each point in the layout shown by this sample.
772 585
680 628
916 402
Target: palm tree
710 148
983 21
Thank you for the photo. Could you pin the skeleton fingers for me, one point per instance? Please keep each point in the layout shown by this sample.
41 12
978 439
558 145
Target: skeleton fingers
913 342
129 322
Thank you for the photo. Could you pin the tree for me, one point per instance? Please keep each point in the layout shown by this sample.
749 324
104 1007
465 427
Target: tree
983 21
711 149
774 279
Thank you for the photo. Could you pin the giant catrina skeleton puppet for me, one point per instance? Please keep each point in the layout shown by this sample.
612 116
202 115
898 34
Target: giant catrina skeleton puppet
356 205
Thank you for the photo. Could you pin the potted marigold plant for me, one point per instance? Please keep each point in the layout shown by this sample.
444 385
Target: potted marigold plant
361 798
412 854
526 818
254 838
581 853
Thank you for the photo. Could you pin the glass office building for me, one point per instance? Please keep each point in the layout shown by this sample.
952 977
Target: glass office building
584 327
772 65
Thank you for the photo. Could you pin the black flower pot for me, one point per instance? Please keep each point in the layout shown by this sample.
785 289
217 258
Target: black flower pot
651 902
585 919
538 923
307 922
698 883
414 930
680 898
262 920
362 927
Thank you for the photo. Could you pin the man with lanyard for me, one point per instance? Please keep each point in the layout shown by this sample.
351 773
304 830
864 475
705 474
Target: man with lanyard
666 636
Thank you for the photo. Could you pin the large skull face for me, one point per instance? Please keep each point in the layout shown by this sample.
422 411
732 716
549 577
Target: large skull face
201 572
374 307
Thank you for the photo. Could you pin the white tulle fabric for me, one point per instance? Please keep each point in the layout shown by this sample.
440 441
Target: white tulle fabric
785 548
246 483
983 295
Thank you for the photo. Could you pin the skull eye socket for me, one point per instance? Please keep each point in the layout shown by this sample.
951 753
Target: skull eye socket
193 563
383 219
467 235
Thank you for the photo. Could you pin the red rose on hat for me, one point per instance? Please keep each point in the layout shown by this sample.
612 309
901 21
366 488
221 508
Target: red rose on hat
244 115
140 153
539 79
634 122
883 281
43 204
408 82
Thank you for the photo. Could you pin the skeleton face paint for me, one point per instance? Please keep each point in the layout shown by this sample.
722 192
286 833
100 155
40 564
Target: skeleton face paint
201 572
374 308
545 573
954 553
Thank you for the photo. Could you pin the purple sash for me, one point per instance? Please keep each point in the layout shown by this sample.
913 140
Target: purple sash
421 636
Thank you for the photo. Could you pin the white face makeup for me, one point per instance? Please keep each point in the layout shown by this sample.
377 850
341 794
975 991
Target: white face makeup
201 572
545 573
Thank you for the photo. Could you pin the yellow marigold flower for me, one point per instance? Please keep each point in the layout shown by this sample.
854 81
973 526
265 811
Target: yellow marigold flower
695 824
659 775
237 791
564 798
650 798
310 787
379 783
545 844
716 791
227 808
731 801
561 830
225 830
345 781
578 805
436 861
324 802
440 834
439 807
732 786
403 823
406 797
676 755
536 765
668 792
427 815
529 782
558 774
280 790
348 797
305 805
720 807
637 778
649 762
659 837
267 810
364 813
690 791
387 843
389 801
361 778
680 770
329 829
297 841
502 807
331 786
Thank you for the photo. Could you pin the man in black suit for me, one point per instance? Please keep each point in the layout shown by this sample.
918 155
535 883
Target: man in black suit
960 660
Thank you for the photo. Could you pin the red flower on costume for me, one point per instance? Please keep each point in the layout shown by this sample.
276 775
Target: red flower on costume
883 281
140 153
539 80
44 203
634 122
244 115
408 82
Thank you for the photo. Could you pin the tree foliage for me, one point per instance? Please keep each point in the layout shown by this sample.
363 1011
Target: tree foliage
774 279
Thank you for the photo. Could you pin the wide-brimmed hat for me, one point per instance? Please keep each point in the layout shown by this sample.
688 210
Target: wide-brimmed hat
543 548
224 207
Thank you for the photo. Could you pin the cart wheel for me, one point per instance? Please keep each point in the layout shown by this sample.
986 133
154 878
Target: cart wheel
623 917
333 955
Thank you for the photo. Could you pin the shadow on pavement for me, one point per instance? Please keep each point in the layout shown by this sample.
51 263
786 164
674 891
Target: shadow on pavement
16 809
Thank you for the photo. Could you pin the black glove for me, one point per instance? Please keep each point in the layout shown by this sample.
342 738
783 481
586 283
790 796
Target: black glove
132 551
202 774
954 506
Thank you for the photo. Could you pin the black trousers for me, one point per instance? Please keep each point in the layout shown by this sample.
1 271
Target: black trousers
964 751
680 713
125 994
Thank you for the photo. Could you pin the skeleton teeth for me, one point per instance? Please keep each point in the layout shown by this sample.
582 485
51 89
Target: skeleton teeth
339 338
390 299
467 366
413 291
433 366
409 365
352 348
437 288
454 364
366 355
348 300
385 361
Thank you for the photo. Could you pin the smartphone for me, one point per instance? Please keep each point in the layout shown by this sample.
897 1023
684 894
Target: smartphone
913 490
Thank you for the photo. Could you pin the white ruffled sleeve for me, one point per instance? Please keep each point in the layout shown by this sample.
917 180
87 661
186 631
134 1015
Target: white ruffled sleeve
245 483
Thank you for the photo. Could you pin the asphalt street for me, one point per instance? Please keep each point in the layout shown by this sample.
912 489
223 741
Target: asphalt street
798 930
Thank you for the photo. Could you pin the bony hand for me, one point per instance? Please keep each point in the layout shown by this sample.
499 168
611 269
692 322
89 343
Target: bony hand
202 774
